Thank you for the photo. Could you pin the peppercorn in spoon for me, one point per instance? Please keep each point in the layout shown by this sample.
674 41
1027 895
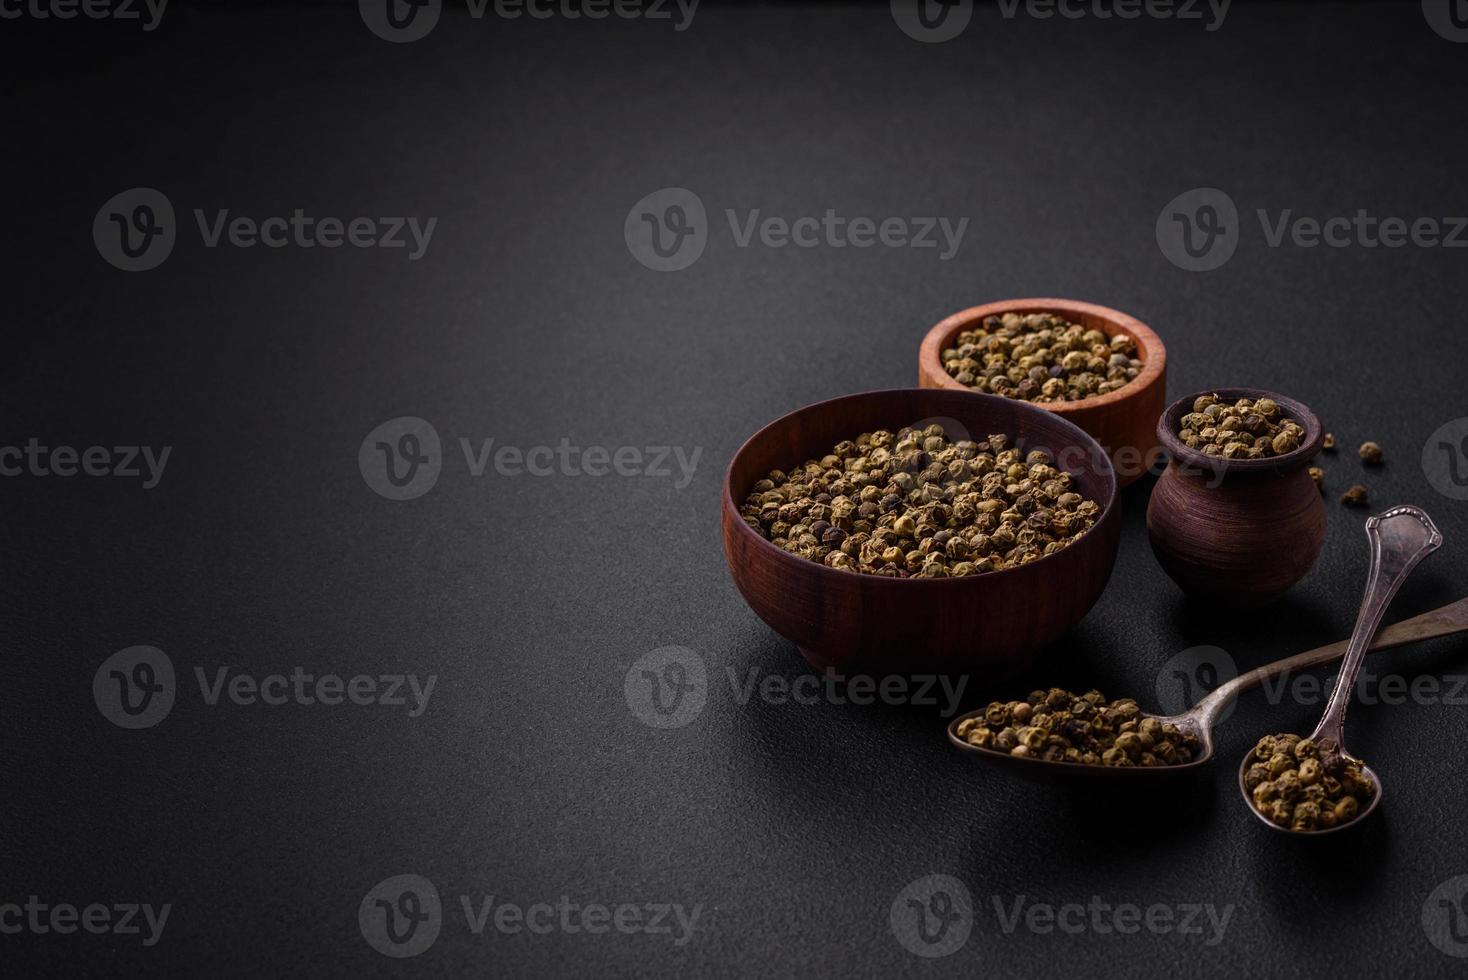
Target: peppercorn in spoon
1313 785
1095 729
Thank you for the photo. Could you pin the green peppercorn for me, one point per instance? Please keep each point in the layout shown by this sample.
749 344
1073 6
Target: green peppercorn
1265 792
1130 743
1305 817
1033 736
1284 442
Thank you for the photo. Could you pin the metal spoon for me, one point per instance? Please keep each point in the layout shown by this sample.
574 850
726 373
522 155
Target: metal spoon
1200 719
1400 538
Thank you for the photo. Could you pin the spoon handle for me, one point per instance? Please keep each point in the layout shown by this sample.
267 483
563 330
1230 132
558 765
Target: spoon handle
1400 538
1444 621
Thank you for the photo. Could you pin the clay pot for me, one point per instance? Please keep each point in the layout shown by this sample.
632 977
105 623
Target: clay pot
1237 532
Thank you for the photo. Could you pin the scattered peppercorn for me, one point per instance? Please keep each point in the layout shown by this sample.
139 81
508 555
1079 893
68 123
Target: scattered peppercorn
1355 497
1329 444
1318 475
1305 786
911 504
1247 429
1041 357
1058 726
1370 453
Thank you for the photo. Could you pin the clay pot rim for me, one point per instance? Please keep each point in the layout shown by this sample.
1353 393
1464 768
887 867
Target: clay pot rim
1094 453
1308 449
1152 352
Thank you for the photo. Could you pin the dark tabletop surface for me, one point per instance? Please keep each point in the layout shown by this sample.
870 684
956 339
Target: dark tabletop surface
792 830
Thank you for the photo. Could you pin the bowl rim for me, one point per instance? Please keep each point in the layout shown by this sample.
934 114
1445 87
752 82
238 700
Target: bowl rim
1308 449
930 361
731 508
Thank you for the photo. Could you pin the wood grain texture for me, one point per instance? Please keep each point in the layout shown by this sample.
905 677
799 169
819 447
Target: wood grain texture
1237 532
991 624
1123 421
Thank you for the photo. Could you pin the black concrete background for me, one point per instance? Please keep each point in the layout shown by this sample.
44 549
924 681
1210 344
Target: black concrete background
793 827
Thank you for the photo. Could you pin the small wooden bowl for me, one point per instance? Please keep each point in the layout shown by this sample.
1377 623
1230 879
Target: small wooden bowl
1238 532
991 623
1123 421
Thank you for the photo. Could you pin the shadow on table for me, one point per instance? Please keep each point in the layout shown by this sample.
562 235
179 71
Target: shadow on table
1333 869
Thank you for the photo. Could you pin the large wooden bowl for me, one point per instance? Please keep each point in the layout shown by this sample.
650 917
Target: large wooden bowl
1123 421
993 623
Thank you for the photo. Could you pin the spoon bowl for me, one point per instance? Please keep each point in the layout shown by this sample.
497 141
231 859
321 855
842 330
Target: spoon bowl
1366 810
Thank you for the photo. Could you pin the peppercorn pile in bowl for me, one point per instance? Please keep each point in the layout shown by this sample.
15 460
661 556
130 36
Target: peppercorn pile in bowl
914 503
1243 429
1041 357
